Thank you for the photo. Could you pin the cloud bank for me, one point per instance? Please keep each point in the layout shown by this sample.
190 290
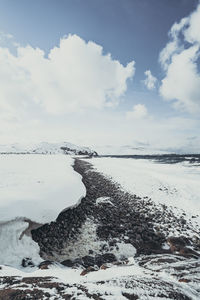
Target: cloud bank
180 59
74 76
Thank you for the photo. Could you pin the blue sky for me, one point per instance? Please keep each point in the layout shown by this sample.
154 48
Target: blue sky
105 101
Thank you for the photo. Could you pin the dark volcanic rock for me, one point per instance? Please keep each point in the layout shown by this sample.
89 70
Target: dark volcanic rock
27 262
67 263
45 264
88 261
105 258
177 243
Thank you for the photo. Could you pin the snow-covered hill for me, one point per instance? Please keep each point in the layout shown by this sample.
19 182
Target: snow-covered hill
46 148
130 150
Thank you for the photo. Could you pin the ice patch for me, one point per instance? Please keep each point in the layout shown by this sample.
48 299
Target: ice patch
102 200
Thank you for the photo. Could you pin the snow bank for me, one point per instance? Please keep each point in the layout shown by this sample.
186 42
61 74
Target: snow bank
174 185
37 187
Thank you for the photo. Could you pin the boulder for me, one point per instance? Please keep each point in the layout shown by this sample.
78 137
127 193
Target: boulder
88 261
88 270
67 263
177 243
27 262
104 258
44 265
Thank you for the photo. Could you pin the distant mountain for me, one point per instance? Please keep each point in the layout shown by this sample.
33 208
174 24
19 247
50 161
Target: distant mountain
47 148
129 150
136 149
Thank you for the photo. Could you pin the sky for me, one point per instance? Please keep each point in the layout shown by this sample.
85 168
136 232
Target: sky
101 73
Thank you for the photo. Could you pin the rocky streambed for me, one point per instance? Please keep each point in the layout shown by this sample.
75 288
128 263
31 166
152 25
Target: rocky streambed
109 216
108 226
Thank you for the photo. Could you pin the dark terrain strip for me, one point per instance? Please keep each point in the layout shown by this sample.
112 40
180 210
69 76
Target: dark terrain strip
128 219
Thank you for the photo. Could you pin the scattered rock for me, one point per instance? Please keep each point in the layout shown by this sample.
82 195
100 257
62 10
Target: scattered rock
88 261
45 264
68 263
105 258
88 270
184 280
104 267
130 296
27 262
177 243
187 252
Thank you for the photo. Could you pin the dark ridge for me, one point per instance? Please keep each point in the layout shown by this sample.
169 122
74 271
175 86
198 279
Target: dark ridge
163 158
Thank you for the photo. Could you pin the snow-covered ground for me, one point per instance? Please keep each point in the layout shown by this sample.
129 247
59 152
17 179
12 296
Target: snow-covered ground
175 185
37 187
154 281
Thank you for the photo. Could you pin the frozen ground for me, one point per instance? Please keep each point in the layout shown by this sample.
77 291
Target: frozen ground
145 280
175 185
42 178
37 187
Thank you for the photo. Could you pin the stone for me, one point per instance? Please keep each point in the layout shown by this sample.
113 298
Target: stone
184 280
68 263
27 262
88 261
104 267
105 258
44 265
88 270
177 243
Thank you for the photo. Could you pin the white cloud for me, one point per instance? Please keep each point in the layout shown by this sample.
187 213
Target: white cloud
150 80
183 81
139 111
192 32
179 59
75 76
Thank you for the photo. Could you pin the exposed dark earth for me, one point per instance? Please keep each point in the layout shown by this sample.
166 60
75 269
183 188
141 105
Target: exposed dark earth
101 232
